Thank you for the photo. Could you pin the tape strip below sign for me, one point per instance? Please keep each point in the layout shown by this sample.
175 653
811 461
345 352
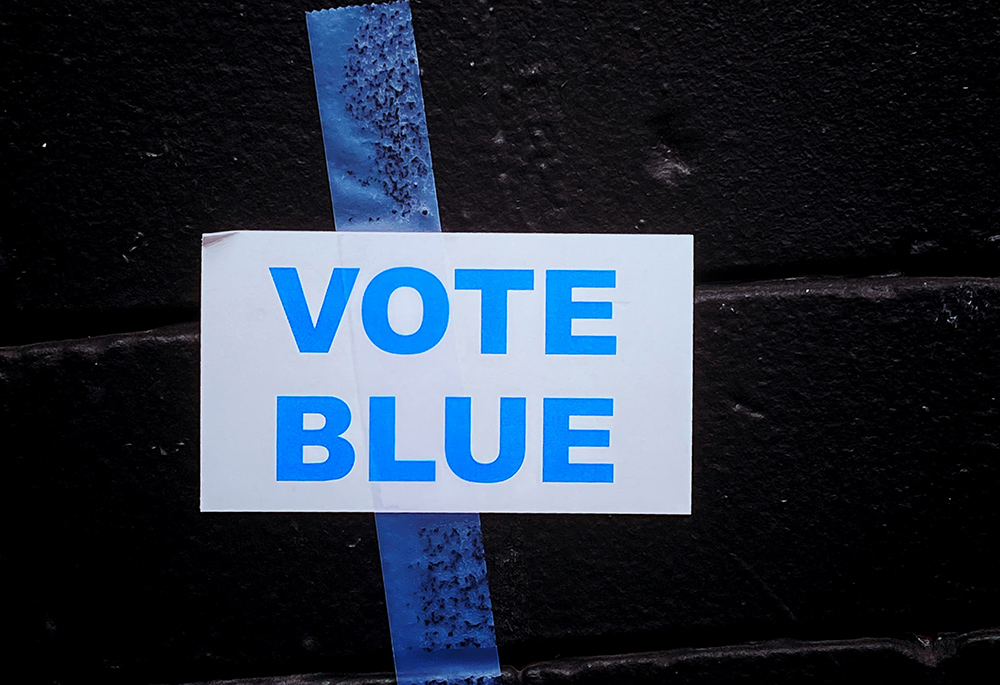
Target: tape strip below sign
381 179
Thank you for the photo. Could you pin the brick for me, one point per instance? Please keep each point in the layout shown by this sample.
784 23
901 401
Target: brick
510 676
974 658
123 574
868 660
950 658
845 441
845 479
310 679
807 139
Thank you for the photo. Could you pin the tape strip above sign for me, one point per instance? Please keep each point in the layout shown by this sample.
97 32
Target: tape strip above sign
371 109
379 166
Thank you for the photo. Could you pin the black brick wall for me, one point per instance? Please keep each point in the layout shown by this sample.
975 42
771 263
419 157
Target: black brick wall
837 164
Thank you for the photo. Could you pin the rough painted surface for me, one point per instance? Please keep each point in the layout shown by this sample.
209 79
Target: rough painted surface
509 675
943 659
791 137
844 463
845 481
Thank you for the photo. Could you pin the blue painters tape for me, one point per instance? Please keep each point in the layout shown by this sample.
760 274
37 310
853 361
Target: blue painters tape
379 165
436 591
371 109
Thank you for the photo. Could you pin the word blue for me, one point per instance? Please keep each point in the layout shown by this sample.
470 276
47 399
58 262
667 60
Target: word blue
557 438
494 286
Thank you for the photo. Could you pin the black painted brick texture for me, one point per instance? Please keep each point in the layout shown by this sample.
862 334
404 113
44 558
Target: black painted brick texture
945 659
510 676
845 480
942 660
791 137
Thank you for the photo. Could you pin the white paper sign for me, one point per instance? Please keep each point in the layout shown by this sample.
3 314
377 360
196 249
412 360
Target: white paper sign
446 372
